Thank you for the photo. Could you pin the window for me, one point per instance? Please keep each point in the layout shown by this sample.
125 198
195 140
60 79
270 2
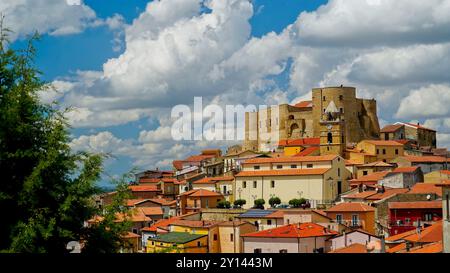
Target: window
293 166
428 217
396 151
153 243
341 110
339 172
135 230
272 184
257 250
256 167
279 166
231 237
324 98
339 218
244 184
365 172
355 220
199 244
254 184
330 138
384 151
407 221
269 222
206 203
283 251
378 151
341 97
309 166
215 237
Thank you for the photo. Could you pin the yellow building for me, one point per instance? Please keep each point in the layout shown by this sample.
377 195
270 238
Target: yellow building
209 228
317 178
178 242
230 235
437 176
374 167
382 150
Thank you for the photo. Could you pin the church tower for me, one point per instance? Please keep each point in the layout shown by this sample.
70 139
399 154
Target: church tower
332 131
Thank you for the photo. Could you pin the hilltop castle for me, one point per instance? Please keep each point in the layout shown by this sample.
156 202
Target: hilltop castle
335 115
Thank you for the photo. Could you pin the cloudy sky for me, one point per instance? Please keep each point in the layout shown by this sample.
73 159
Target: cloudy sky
123 64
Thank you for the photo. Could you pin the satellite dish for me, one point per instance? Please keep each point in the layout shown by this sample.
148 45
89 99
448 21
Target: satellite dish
428 197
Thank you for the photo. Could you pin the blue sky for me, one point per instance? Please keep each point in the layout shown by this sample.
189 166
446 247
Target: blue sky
123 67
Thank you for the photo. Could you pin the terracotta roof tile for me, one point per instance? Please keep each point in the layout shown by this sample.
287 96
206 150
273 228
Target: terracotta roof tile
291 159
304 104
418 126
194 223
384 142
406 169
377 164
201 193
143 188
416 205
391 128
425 159
396 248
308 151
299 142
429 248
350 207
354 248
373 177
430 234
425 188
152 210
400 236
303 230
387 193
290 172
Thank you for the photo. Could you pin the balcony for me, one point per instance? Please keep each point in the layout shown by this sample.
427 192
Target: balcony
403 223
350 223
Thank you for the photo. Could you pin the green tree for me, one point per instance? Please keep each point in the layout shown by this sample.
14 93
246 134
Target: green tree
239 202
46 190
223 205
297 203
274 201
259 203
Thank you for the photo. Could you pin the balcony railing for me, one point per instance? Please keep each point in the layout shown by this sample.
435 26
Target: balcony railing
403 223
350 223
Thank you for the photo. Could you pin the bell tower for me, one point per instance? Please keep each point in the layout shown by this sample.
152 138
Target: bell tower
332 131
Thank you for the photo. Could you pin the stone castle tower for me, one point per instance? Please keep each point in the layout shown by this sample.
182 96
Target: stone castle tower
357 120
332 131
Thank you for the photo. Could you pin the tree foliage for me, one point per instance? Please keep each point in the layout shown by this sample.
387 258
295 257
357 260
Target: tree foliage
274 201
46 190
224 204
259 203
239 202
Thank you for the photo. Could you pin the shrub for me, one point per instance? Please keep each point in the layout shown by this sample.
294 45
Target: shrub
274 201
224 205
240 202
259 203
297 203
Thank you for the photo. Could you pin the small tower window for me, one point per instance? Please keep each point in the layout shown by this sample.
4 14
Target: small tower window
330 138
324 98
341 97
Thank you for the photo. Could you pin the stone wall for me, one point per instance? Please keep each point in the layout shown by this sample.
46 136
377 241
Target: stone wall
220 214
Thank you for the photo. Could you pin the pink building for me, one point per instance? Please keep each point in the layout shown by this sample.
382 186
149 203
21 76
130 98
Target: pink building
295 238
353 237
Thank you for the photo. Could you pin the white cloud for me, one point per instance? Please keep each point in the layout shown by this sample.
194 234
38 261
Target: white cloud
54 17
427 102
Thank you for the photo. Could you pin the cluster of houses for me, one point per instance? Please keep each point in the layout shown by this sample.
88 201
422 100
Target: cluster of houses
308 195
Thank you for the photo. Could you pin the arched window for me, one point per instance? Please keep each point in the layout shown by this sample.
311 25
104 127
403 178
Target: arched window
330 138
291 117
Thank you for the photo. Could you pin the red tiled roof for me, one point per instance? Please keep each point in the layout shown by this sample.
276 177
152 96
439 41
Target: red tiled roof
400 236
418 126
391 128
397 248
430 234
149 180
131 235
303 230
445 172
354 248
352 162
377 164
290 172
403 141
405 169
275 215
308 151
429 248
373 177
161 224
445 183
361 195
291 159
133 202
178 164
416 205
426 188
350 207
212 180
425 159
387 193
161 201
152 210
384 142
304 104
201 193
143 188
198 158
299 142
194 223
